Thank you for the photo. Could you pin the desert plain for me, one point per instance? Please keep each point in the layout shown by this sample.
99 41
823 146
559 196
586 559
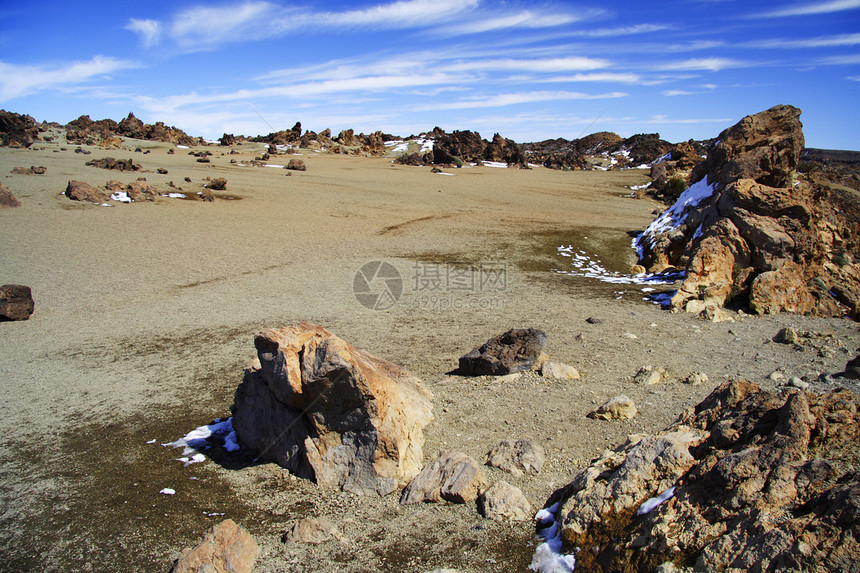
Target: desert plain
145 315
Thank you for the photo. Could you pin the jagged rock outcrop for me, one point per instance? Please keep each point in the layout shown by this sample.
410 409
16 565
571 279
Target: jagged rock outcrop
330 412
227 140
513 351
114 164
504 150
17 130
748 478
85 130
752 231
457 147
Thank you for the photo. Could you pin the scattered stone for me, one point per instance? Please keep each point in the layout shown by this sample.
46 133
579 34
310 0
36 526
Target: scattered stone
787 335
80 191
140 190
514 351
7 200
796 382
203 160
559 370
617 408
296 165
311 530
83 151
748 479
207 195
508 378
504 502
32 170
219 184
696 379
114 164
517 456
114 185
188 179
453 476
715 314
330 412
592 320
649 375
776 376
16 302
161 170
225 548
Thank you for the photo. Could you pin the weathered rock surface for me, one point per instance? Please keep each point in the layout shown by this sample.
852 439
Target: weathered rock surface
7 200
16 302
17 130
617 408
80 191
453 476
330 412
225 548
517 456
504 502
750 230
116 164
514 351
311 530
761 480
297 165
32 170
559 371
141 190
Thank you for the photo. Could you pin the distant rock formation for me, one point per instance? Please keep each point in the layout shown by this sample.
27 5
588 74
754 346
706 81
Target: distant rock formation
640 149
751 231
330 412
17 130
85 130
746 479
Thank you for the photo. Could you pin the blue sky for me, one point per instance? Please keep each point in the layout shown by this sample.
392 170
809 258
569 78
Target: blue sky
529 70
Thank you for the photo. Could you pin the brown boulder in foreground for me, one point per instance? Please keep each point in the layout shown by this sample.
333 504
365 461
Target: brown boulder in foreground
748 479
7 200
750 224
330 412
16 302
225 548
514 351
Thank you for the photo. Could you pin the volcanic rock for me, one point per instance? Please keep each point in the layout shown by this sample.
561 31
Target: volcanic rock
17 130
453 476
227 140
746 479
559 371
504 502
296 165
16 302
751 231
504 150
80 191
517 456
140 190
225 548
7 200
311 530
32 170
330 412
116 164
217 184
458 147
617 408
514 351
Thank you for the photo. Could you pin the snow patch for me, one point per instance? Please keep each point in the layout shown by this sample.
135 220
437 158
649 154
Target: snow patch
176 195
120 196
675 216
649 505
495 164
548 557
168 491
590 266
199 439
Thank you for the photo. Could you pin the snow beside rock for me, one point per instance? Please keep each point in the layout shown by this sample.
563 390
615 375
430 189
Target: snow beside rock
675 216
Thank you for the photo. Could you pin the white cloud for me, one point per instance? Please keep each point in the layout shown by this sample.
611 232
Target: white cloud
609 77
809 8
819 42
402 14
621 31
502 100
149 30
19 80
672 93
478 23
707 64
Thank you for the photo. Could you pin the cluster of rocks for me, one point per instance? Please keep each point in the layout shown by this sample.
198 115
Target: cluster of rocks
114 164
605 150
32 170
752 232
748 478
138 190
106 132
17 130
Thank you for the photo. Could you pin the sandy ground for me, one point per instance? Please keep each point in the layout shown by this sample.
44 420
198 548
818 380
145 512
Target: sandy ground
145 315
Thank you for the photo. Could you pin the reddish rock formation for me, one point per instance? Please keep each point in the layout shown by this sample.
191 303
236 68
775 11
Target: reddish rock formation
752 231
17 130
7 200
330 412
80 191
225 548
746 479
114 164
16 302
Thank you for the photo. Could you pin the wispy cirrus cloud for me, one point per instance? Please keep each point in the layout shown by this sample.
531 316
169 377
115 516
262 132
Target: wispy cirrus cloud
810 8
149 30
702 64
817 42
21 80
502 100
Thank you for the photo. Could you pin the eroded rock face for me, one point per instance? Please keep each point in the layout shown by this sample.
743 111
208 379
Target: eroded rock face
225 548
748 224
453 476
760 479
17 130
330 412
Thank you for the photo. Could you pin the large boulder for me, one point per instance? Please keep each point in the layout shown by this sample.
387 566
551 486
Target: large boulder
749 218
453 477
16 302
513 351
330 412
81 191
746 479
225 548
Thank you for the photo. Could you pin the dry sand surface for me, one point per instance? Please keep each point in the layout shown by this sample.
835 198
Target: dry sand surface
145 315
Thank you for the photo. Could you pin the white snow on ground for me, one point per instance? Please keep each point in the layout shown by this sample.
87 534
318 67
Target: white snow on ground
585 265
638 187
426 145
274 165
648 505
176 195
673 217
443 173
168 491
495 164
199 439
121 196
548 557
662 158
182 147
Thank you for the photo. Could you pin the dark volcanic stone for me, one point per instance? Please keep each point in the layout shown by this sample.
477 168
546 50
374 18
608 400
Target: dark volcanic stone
514 351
